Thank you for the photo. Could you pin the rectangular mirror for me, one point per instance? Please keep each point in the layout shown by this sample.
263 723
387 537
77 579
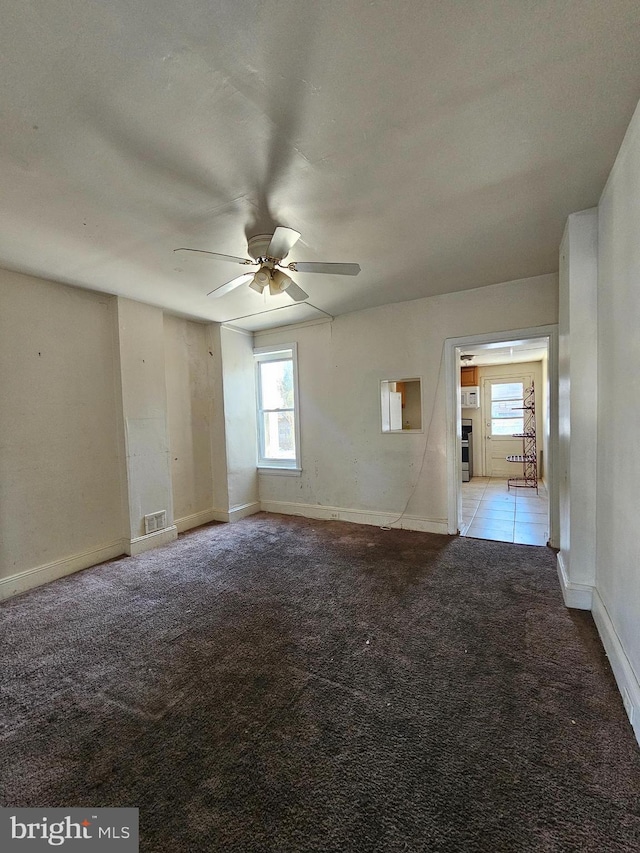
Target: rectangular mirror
401 405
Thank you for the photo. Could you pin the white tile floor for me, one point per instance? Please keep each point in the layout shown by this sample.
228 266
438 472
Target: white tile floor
491 511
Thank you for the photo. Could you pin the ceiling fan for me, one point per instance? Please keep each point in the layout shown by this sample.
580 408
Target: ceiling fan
267 253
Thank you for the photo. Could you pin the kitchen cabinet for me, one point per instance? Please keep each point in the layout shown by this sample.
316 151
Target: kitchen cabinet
468 376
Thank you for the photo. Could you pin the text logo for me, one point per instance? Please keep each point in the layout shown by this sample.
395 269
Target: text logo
93 829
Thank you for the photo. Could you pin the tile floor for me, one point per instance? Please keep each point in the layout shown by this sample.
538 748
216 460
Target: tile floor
491 511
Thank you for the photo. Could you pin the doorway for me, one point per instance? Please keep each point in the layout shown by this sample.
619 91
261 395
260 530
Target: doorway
491 505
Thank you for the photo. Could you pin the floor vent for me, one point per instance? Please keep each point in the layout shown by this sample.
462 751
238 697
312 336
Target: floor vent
155 521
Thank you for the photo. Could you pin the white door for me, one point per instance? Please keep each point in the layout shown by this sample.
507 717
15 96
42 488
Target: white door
502 417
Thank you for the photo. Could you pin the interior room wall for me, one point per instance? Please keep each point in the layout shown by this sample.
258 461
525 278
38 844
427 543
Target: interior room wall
578 404
144 413
564 409
349 467
217 435
189 419
412 408
617 599
236 347
60 459
545 434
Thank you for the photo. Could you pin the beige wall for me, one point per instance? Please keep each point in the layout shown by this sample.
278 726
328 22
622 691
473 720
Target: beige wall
412 409
578 400
189 415
112 410
347 461
144 413
618 463
240 419
60 459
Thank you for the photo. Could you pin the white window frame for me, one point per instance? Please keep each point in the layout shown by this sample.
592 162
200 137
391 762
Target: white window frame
277 352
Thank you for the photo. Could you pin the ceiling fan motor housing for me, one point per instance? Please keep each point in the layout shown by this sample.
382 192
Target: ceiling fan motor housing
258 246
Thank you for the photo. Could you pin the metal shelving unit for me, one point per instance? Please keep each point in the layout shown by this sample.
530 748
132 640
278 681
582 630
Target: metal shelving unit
529 456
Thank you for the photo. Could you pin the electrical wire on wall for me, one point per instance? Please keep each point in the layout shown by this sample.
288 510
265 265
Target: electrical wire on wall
391 524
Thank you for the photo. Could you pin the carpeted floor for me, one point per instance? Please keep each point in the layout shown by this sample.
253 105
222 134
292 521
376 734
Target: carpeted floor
288 685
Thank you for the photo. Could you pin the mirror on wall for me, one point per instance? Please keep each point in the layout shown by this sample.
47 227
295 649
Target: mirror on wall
401 405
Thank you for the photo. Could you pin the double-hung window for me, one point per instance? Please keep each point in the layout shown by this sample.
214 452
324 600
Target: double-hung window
277 407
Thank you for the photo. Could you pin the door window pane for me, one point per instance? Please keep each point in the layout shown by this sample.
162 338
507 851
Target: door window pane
506 409
506 426
507 391
507 417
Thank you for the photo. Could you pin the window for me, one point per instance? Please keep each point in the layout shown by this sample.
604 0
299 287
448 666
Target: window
507 400
277 405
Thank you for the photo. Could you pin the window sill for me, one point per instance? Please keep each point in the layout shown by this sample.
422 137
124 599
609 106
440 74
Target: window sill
279 472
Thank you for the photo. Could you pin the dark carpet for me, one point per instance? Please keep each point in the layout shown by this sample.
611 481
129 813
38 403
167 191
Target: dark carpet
282 684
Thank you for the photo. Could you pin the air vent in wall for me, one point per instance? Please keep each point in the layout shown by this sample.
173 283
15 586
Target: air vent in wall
155 521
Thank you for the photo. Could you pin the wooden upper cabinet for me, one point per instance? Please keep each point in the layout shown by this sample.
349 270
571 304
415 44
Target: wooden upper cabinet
468 376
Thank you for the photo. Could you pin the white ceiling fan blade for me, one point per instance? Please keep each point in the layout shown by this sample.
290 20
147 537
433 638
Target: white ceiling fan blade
231 285
218 256
295 292
331 269
282 242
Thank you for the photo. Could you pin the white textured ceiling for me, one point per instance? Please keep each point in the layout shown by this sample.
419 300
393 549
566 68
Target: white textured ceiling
439 144
510 352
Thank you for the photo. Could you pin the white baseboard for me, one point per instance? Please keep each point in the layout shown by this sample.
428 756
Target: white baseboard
208 515
576 595
139 544
242 511
357 516
22 581
624 675
197 519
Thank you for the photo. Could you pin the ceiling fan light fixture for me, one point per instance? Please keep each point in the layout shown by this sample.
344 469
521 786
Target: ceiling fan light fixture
279 282
260 280
255 285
